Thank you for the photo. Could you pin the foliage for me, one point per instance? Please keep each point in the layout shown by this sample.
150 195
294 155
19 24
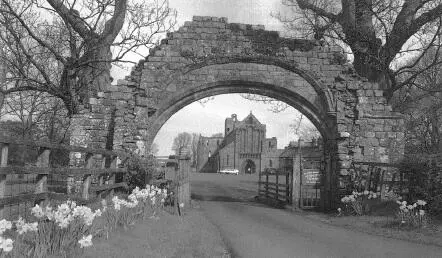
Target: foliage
140 170
423 181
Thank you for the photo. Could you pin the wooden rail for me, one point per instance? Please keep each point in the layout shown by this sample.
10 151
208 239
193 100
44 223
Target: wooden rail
278 190
95 165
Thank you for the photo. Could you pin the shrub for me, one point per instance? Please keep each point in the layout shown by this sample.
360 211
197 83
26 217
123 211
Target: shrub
140 170
424 182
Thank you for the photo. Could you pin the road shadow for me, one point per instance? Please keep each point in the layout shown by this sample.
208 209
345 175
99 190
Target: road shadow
216 198
254 201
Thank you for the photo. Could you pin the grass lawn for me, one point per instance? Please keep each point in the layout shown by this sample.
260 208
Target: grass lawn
190 235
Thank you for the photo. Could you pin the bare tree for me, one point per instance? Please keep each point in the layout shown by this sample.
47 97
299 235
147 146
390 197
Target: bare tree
421 102
194 148
154 149
39 115
302 128
378 33
66 47
274 104
182 143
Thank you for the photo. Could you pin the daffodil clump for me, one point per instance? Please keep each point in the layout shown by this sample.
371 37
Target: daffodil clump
6 244
55 231
412 214
11 231
66 213
355 201
139 204
15 229
62 229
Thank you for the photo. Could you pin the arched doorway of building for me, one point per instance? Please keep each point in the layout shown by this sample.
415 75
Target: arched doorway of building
250 167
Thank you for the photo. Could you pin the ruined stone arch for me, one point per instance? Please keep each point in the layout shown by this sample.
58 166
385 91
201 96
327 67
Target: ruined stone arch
209 56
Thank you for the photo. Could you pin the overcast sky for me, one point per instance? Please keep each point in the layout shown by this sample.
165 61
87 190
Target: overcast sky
209 118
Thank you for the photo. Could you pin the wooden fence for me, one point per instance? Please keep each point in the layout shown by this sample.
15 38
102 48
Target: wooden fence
276 185
21 187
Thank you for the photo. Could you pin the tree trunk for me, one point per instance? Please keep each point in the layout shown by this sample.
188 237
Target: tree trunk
2 100
435 133
95 73
2 81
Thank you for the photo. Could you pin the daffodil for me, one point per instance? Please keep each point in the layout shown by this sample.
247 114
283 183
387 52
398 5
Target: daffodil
37 211
421 202
4 225
23 227
85 241
6 244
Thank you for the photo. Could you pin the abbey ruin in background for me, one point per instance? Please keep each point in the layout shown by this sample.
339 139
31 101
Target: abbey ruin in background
245 147
209 56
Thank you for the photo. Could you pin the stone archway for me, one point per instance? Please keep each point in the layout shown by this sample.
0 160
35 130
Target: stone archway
209 56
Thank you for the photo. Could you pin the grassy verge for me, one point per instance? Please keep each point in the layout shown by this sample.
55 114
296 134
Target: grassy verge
382 226
167 235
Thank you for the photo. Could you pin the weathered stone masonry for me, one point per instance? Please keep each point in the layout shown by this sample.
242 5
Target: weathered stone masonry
209 56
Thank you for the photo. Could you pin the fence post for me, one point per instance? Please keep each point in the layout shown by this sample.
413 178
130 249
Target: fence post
259 183
183 179
42 162
87 178
287 188
3 163
267 185
277 186
101 176
381 183
111 179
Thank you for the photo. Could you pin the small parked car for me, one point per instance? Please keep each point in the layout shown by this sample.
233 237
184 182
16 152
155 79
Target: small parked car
270 171
229 171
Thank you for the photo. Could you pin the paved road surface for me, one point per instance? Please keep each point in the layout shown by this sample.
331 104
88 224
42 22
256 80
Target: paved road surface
254 230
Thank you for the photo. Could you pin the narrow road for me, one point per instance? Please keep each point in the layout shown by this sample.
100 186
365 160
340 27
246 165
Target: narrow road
255 230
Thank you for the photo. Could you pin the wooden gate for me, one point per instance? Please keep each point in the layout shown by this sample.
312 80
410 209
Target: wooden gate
275 184
308 167
310 181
